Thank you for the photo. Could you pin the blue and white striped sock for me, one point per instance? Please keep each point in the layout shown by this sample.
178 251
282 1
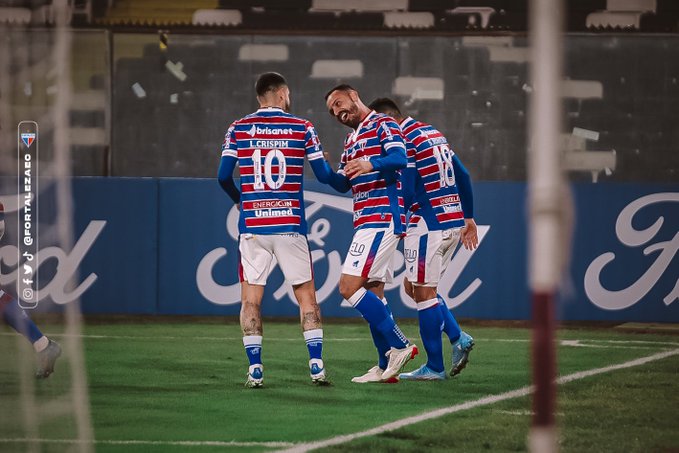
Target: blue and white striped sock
253 348
314 343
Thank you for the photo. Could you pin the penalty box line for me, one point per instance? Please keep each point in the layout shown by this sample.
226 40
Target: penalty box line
485 401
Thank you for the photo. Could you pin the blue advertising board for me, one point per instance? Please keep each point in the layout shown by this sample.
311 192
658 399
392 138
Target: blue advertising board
170 246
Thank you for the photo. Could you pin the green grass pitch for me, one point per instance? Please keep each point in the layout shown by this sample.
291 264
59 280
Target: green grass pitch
178 386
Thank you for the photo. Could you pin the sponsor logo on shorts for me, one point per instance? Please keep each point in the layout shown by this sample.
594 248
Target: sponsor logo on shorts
410 255
356 249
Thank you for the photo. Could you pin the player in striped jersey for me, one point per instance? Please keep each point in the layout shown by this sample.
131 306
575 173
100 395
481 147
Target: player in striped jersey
48 351
374 153
270 146
438 193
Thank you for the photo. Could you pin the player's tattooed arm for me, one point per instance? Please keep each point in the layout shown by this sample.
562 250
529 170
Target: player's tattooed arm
311 319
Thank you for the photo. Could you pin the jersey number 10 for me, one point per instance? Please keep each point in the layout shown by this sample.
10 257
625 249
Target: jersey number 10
444 160
268 169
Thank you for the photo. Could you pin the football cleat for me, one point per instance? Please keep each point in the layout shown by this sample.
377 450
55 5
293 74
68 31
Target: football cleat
317 372
423 373
255 376
374 374
397 360
461 349
46 360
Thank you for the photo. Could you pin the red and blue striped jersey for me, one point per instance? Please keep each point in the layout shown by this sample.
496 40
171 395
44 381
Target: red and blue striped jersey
270 146
377 195
435 194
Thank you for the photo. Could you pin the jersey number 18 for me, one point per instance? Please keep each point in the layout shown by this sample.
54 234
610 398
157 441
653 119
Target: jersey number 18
444 160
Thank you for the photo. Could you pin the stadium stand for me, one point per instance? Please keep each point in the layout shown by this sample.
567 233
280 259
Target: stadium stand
167 90
460 16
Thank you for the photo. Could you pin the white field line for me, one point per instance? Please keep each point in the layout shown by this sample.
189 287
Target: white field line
181 443
578 343
491 399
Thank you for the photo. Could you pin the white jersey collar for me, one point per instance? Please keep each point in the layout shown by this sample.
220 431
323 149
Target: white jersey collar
406 121
268 109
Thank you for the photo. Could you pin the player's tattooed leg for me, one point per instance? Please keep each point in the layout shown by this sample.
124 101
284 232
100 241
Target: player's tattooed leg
309 312
311 319
251 309
250 318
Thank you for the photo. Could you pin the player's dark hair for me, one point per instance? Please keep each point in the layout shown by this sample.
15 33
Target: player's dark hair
269 81
386 105
341 87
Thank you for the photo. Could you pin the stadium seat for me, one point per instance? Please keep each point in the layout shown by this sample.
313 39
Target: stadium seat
227 17
582 89
298 5
408 20
419 88
263 52
337 69
615 19
472 12
358 5
14 15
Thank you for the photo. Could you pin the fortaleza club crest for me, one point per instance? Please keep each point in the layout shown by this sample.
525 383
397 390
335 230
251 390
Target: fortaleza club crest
28 138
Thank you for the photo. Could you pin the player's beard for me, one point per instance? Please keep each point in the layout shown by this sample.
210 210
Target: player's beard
286 107
353 118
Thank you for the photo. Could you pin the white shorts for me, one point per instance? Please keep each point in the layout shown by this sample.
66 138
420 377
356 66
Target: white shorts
259 253
427 253
370 254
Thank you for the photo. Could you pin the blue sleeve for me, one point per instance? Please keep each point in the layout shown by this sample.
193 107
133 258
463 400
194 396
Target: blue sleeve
324 174
408 178
464 187
225 177
395 159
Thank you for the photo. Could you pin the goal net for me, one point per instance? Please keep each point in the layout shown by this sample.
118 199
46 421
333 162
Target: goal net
36 98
